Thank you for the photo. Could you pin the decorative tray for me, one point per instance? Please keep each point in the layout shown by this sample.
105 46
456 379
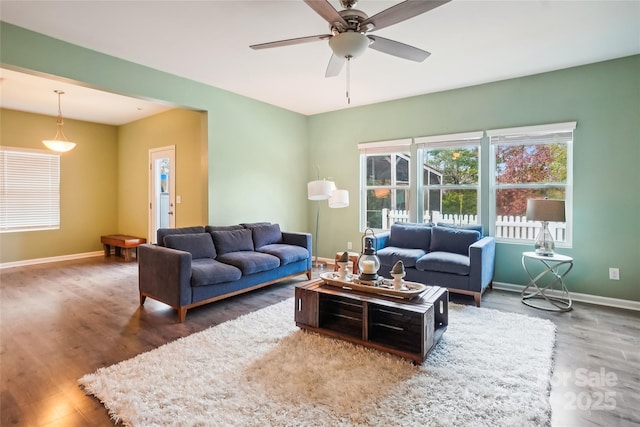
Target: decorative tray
381 287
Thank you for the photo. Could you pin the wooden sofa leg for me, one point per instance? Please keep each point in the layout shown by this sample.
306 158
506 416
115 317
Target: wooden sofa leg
142 298
308 274
476 298
182 314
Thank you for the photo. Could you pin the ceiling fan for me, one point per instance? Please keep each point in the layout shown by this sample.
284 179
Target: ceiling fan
348 36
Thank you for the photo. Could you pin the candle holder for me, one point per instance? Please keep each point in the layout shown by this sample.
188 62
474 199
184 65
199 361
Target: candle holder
369 263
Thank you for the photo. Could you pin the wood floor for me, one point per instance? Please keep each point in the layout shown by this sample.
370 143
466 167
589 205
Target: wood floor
62 320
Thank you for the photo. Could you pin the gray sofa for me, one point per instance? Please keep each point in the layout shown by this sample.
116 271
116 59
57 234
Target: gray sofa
192 266
457 258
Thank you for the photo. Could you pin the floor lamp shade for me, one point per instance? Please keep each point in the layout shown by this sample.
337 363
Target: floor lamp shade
319 190
339 199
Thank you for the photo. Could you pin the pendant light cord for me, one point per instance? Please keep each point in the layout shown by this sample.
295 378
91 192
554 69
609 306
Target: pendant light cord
348 79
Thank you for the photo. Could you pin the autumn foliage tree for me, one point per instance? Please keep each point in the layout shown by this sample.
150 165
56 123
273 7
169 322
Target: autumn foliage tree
524 166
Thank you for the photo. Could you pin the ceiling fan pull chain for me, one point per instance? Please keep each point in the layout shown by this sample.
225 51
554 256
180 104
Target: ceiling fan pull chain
348 79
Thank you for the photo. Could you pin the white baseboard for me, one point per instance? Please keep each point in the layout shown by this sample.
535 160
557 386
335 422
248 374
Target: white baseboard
50 259
590 299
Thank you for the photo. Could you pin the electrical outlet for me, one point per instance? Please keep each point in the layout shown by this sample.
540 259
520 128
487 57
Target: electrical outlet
614 274
349 245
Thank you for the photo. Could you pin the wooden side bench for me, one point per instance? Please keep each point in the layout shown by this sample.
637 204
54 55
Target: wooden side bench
119 242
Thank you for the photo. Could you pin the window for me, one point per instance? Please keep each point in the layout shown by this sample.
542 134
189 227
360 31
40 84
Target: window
530 162
29 190
385 170
450 173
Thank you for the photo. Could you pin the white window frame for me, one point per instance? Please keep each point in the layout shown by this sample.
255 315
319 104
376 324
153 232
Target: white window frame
449 141
381 148
527 135
29 190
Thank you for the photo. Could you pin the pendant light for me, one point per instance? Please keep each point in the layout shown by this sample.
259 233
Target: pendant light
59 142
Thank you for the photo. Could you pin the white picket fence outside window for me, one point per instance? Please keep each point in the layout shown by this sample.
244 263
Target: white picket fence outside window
507 227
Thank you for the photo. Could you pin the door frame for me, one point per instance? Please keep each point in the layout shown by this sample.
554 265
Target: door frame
154 182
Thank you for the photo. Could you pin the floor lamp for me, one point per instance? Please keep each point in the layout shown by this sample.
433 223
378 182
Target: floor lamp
319 190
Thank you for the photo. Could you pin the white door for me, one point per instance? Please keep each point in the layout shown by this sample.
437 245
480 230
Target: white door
162 190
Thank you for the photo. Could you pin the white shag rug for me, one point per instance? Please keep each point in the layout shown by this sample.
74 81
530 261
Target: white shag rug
489 369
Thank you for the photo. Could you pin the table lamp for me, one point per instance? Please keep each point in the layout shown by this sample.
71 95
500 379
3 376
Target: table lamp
545 210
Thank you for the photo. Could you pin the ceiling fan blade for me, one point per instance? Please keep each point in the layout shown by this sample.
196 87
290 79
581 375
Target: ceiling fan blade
401 12
328 12
398 49
290 42
335 66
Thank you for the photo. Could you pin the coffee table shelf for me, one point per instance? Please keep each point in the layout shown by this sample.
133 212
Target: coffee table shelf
406 328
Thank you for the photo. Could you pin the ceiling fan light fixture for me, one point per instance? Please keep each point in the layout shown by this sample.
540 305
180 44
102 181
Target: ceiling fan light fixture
59 142
349 44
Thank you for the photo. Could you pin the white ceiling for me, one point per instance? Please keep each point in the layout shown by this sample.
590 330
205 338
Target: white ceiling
471 42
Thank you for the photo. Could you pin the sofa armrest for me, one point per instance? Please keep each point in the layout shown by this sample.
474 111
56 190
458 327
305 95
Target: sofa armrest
382 240
482 260
298 239
165 274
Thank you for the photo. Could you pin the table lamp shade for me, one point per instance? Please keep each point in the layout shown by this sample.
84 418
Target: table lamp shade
319 190
545 210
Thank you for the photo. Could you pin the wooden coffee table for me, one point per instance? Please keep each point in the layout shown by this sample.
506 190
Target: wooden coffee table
406 328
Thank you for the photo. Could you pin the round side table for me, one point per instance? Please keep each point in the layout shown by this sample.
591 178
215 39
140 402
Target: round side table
544 293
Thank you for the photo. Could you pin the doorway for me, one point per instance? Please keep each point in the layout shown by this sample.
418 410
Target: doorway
162 190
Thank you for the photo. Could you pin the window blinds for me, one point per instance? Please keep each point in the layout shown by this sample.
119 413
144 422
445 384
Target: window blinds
542 134
29 190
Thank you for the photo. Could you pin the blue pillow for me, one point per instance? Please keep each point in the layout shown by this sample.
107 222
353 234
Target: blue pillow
210 228
232 241
266 235
454 240
410 236
476 227
163 232
199 245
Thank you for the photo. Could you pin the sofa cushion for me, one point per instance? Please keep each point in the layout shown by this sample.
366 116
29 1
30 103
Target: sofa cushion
476 227
286 253
266 235
444 262
199 245
455 240
250 262
232 241
162 232
209 272
392 254
254 224
210 228
410 236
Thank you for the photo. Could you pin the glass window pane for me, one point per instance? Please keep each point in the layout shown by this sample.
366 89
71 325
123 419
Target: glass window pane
537 163
402 170
379 170
451 166
513 201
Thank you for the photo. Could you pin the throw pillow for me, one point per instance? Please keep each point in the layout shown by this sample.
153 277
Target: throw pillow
199 245
266 235
163 232
454 240
232 241
410 236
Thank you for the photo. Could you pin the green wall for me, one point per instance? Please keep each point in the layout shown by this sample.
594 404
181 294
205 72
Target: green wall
260 156
257 153
88 186
603 98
